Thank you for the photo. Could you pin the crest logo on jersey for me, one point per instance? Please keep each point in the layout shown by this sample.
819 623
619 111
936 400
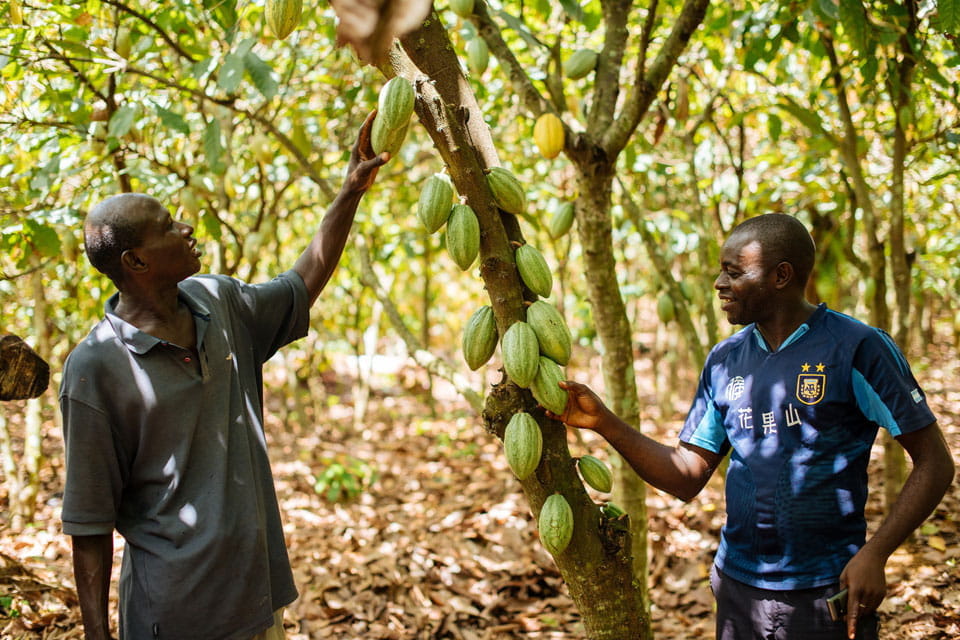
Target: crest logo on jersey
811 386
735 388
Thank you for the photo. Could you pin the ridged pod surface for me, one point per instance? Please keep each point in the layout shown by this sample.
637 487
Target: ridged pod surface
548 135
433 207
534 270
545 386
595 473
580 64
553 335
521 353
395 103
382 138
522 444
479 338
283 16
507 191
561 221
463 236
556 524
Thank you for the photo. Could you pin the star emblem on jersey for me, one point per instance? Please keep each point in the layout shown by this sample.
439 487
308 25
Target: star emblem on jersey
811 386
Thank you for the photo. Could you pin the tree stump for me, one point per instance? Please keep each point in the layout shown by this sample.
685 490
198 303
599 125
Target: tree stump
23 373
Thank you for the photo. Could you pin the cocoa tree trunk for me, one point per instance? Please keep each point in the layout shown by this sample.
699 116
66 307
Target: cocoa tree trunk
597 565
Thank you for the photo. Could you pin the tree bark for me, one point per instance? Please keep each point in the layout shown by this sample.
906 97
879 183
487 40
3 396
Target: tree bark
597 565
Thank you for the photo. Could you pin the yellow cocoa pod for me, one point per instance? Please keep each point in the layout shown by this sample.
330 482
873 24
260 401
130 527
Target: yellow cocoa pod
283 16
548 135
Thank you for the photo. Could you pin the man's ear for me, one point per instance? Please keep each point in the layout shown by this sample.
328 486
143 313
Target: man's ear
784 275
131 260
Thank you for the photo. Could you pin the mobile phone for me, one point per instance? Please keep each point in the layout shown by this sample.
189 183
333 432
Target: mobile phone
837 605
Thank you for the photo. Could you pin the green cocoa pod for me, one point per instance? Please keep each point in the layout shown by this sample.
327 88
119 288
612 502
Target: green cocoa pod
521 353
522 444
556 524
479 338
552 332
283 16
506 190
478 55
545 386
463 236
433 207
665 309
580 64
382 138
395 104
561 221
463 8
534 270
595 473
611 510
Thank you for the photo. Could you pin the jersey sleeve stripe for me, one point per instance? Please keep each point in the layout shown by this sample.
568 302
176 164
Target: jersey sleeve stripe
872 406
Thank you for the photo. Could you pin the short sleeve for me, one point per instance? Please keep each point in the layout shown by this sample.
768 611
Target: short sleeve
885 389
278 312
94 476
704 424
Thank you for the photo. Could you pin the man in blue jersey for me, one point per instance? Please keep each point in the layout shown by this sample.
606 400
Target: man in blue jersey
796 398
163 424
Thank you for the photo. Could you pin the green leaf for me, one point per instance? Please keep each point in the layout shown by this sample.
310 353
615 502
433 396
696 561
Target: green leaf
931 71
122 121
224 12
172 120
774 126
212 146
948 16
231 73
210 226
854 21
809 118
261 75
573 9
828 9
42 237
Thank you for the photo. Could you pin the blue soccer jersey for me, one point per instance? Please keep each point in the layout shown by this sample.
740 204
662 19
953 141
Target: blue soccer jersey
801 422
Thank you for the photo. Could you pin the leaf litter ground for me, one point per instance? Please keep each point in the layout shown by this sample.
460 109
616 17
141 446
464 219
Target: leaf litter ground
440 543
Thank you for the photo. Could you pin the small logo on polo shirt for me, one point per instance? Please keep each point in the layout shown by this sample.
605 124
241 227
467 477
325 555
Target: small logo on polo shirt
735 388
917 396
811 386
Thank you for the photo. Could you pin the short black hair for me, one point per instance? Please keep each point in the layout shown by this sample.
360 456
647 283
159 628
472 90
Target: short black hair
782 238
109 231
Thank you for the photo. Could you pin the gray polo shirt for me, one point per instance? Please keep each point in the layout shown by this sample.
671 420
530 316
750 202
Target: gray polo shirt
171 453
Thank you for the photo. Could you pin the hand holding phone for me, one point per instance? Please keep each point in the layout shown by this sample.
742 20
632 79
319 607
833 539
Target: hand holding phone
837 605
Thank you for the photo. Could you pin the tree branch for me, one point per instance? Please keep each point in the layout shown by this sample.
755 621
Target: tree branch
644 91
417 351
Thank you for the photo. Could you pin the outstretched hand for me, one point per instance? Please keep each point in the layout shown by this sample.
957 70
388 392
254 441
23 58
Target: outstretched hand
364 163
584 408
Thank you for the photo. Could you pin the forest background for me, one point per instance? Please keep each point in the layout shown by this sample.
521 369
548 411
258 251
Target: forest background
403 518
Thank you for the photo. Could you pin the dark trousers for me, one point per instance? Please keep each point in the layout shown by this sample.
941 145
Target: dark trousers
750 613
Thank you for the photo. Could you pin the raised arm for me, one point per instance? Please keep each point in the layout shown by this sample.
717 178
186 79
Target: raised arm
681 471
318 262
92 563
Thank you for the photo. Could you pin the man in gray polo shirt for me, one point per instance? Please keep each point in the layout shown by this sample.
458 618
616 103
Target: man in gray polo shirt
163 424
